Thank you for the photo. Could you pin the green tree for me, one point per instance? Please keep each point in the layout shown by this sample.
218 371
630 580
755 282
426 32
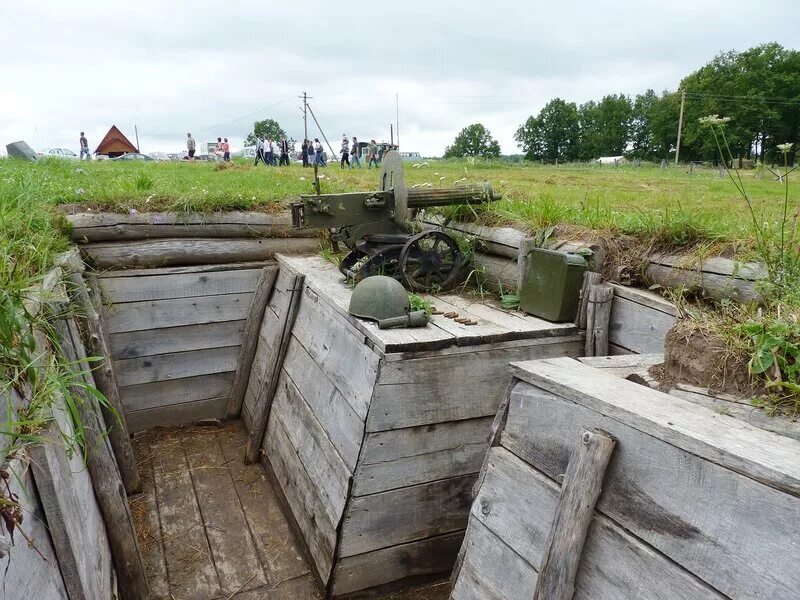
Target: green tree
553 134
474 140
654 125
605 126
268 127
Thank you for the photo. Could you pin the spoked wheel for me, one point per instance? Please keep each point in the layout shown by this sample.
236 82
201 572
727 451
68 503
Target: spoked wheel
430 261
357 265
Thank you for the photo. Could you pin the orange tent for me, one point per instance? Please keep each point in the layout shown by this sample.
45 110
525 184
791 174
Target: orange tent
115 144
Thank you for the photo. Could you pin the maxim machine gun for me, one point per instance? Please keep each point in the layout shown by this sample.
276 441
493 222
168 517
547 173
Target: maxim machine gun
374 226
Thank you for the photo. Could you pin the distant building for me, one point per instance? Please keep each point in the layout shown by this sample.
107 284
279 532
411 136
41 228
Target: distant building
115 144
612 160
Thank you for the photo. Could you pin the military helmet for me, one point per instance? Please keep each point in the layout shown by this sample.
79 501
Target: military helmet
379 297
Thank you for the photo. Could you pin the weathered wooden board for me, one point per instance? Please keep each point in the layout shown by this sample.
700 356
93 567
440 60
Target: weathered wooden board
412 455
178 365
517 503
414 559
150 342
651 490
719 278
276 545
404 515
176 414
760 455
637 326
326 469
189 563
303 498
432 390
190 251
234 556
175 391
136 316
73 518
256 264
189 285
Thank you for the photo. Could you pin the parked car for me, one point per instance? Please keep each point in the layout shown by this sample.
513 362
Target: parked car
59 153
160 156
134 156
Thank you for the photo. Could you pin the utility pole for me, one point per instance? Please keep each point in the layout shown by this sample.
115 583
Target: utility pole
136 130
680 126
397 117
305 98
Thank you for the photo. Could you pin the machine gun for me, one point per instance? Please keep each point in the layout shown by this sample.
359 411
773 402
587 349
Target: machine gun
374 226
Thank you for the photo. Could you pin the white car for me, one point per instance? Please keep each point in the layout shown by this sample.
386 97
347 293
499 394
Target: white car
59 153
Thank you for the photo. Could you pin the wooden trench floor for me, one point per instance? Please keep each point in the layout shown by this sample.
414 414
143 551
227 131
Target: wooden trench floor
211 527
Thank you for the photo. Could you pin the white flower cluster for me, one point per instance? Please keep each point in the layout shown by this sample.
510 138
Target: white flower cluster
714 120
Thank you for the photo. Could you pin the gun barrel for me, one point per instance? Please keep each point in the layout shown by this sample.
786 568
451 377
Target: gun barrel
467 194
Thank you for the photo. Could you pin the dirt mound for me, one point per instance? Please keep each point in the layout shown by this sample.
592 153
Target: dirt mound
699 357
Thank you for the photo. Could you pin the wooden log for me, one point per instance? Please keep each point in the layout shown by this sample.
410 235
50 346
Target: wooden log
590 279
579 492
94 340
170 252
264 288
718 278
598 314
267 391
105 476
497 272
526 246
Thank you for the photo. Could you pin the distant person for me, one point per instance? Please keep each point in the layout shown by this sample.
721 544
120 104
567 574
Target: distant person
84 147
226 151
259 152
218 149
304 152
345 152
312 157
355 154
191 147
372 154
319 153
269 150
284 148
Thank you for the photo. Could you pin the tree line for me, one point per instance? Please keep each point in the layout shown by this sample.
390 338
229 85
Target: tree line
758 89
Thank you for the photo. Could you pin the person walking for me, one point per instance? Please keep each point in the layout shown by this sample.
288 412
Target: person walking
319 155
372 154
269 148
284 148
218 149
191 146
304 153
345 152
226 150
310 152
355 154
259 152
85 147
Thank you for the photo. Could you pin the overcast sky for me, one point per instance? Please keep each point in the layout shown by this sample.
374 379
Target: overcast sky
212 68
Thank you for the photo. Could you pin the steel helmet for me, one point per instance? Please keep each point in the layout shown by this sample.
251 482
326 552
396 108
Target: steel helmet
379 297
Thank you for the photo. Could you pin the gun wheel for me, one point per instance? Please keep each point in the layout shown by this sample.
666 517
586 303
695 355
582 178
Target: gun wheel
430 261
357 265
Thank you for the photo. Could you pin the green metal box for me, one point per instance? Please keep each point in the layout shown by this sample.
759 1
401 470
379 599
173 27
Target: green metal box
551 284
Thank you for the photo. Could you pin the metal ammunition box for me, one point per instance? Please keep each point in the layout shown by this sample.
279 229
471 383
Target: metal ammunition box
551 284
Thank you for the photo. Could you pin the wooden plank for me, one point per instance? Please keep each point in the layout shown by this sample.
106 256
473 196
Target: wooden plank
651 490
136 316
646 298
638 327
573 515
432 390
256 264
421 558
189 285
337 418
326 469
109 219
303 499
517 504
170 252
191 570
244 362
176 414
178 365
150 342
175 391
627 363
233 554
276 545
402 457
765 457
404 515
299 588
491 570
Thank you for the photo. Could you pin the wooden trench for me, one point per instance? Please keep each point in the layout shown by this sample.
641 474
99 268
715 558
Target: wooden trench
285 449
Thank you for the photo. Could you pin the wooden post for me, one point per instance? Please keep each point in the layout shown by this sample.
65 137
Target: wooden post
526 245
598 317
105 476
106 382
269 385
590 279
579 492
251 329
